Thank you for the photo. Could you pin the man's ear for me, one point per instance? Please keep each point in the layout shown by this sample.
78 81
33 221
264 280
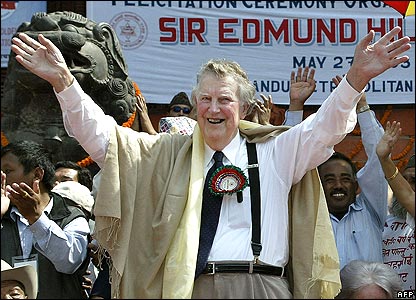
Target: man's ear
38 173
357 187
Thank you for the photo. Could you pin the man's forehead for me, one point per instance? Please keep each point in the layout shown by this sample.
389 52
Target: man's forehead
9 158
219 88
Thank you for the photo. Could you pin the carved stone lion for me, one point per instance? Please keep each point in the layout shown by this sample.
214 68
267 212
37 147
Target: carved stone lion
29 107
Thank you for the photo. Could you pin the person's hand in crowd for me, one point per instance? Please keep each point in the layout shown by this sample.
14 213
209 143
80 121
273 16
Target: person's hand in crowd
264 109
27 200
93 254
86 284
5 201
302 87
402 189
390 137
142 120
141 105
261 110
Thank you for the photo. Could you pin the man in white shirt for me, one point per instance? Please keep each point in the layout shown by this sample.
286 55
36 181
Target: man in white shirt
144 177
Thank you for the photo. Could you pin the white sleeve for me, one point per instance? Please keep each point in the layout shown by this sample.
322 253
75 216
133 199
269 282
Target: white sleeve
85 121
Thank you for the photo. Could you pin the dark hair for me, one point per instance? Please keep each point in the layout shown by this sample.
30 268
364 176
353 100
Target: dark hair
180 98
84 175
339 155
32 155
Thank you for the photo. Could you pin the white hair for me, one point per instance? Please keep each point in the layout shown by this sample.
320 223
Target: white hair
222 68
357 274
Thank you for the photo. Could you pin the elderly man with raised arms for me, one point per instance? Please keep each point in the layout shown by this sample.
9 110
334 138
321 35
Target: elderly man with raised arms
151 205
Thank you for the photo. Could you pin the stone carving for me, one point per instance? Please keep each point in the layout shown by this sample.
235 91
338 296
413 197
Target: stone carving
93 53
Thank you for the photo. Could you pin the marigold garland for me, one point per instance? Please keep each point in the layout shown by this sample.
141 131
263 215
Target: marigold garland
403 160
357 149
405 150
386 115
4 140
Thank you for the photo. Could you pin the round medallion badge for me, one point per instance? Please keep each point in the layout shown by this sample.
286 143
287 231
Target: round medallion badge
228 179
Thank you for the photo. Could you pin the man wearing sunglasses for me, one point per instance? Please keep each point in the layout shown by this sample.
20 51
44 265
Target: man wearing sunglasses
180 105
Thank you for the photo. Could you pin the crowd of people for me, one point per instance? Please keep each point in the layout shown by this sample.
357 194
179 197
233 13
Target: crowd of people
216 202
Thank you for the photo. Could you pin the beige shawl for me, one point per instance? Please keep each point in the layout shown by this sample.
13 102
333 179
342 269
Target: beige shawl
148 216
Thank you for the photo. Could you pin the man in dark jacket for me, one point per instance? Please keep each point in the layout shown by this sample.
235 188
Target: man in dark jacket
39 227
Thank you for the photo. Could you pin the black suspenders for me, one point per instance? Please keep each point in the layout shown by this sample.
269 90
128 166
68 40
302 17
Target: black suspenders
254 181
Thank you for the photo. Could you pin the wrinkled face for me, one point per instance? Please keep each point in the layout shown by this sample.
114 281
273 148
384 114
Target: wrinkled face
66 174
409 175
219 111
14 170
339 185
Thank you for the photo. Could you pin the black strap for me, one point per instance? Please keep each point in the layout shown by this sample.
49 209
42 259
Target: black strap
254 179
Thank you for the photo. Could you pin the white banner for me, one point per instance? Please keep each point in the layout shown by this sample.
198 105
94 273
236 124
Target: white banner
13 14
165 42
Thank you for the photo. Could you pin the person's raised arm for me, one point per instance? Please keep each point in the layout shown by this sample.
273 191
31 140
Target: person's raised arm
401 188
370 60
302 87
43 59
81 115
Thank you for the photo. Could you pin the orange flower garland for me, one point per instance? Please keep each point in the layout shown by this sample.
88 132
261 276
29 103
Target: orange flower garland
357 149
386 115
4 140
403 161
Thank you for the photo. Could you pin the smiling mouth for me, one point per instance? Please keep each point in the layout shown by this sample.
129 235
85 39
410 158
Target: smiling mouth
338 195
215 121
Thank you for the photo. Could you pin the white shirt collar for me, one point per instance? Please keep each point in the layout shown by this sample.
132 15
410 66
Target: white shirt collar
230 151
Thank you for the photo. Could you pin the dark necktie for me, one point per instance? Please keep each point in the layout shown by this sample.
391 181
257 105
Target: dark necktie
211 207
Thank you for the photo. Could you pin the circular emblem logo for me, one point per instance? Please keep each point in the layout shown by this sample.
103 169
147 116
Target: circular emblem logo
131 30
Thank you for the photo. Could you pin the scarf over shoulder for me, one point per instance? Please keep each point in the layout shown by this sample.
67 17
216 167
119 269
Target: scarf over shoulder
148 208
